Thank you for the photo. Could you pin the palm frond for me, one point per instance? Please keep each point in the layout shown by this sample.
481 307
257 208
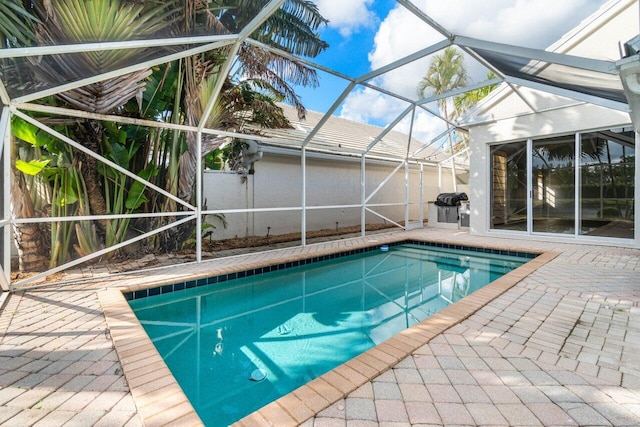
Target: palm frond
80 21
16 24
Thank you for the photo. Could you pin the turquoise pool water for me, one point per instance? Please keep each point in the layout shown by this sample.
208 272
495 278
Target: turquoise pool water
237 345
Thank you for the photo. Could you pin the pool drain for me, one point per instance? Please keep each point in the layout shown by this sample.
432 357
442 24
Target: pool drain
258 375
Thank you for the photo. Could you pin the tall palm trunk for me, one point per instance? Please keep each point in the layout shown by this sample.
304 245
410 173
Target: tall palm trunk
90 134
30 239
453 160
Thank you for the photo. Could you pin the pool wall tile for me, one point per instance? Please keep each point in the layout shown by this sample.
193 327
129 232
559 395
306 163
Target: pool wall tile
304 261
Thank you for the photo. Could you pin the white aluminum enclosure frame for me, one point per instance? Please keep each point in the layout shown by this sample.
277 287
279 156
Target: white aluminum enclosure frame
18 106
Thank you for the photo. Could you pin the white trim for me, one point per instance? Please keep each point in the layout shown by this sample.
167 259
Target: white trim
426 18
568 93
389 128
24 52
303 200
459 91
385 218
328 114
636 207
598 65
405 60
5 225
4 96
577 173
43 220
363 196
374 192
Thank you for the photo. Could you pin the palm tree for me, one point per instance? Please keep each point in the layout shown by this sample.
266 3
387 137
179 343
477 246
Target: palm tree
15 21
261 78
446 72
466 101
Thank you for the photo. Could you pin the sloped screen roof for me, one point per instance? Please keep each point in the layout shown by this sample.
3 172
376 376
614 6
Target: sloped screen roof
53 69
589 82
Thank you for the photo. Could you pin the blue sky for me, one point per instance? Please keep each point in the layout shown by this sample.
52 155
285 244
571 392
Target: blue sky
366 34
348 53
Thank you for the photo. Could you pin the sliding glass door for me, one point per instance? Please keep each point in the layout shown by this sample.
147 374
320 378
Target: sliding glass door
580 185
607 172
553 185
509 186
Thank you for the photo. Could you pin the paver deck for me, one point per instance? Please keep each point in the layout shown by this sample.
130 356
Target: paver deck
561 346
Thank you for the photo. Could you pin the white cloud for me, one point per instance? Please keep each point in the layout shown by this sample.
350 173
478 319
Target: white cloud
531 23
370 106
347 16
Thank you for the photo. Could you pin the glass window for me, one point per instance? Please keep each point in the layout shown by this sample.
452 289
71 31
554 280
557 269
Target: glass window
553 184
607 171
509 186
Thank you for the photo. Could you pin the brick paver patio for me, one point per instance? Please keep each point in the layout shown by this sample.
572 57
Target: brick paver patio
561 347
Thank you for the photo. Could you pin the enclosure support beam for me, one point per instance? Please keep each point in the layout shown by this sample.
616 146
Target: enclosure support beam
421 197
115 73
199 197
529 187
98 253
363 196
636 198
303 219
406 195
577 178
100 158
385 180
5 141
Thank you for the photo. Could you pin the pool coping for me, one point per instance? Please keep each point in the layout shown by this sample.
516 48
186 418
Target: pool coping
160 400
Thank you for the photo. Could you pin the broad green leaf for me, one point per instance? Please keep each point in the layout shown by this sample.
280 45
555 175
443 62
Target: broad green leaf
66 195
30 133
136 196
33 167
24 131
119 154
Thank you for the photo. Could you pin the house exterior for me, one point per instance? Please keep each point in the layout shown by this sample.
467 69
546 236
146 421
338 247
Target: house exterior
547 166
269 201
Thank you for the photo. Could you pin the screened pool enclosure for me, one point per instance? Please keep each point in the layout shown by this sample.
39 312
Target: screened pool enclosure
98 104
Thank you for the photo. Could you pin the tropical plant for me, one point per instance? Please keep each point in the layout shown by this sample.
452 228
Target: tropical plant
464 102
176 92
15 21
446 72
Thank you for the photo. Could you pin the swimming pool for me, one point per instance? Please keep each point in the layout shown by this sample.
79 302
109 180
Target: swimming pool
242 343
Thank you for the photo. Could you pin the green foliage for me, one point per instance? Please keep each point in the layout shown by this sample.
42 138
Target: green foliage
58 176
32 167
215 160
136 196
15 24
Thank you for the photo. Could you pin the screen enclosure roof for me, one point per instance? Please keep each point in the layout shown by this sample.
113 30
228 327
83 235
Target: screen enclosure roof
54 69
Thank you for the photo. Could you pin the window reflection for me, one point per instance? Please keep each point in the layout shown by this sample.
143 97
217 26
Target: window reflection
607 170
509 186
606 190
553 166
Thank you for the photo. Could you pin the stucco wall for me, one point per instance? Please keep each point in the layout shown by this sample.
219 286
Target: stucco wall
330 181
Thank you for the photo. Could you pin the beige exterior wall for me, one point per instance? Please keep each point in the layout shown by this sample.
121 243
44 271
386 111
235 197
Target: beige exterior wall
330 181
